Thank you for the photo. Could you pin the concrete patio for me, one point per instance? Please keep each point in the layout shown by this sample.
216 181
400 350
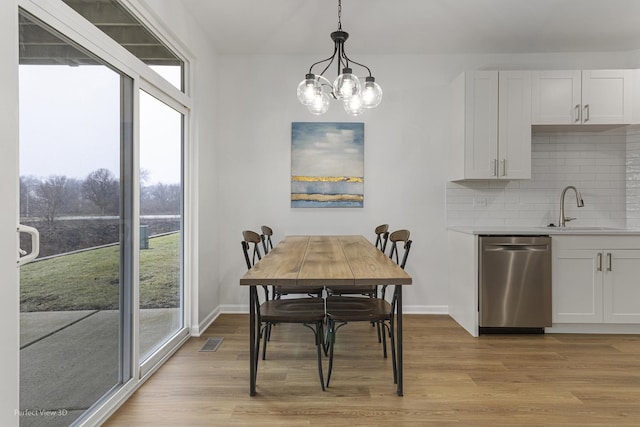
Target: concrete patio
69 359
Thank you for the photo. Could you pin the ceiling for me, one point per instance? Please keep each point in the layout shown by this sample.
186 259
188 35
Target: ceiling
420 26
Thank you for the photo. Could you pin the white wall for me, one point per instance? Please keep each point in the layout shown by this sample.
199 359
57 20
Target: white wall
181 26
405 156
9 287
404 145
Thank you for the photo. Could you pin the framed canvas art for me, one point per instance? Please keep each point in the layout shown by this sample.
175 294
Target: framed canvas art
327 165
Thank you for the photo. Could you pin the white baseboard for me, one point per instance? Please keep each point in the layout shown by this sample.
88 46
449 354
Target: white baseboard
199 328
592 328
234 309
425 309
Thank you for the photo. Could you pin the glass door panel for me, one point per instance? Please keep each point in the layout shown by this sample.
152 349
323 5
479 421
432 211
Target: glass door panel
74 135
161 289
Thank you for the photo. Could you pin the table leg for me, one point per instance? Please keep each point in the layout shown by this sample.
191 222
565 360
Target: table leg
252 341
399 339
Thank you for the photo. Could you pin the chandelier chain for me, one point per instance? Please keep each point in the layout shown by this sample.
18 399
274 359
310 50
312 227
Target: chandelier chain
339 14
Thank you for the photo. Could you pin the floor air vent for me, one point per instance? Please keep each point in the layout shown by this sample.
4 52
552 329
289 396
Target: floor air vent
212 344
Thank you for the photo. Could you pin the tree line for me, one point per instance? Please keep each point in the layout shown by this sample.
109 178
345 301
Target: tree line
98 194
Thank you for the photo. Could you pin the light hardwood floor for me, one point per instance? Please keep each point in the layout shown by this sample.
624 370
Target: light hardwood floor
450 378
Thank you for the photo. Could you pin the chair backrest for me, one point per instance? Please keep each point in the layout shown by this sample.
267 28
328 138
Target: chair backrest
382 235
400 238
251 237
267 232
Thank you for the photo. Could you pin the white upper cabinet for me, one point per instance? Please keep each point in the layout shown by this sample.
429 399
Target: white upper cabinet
491 126
581 97
514 125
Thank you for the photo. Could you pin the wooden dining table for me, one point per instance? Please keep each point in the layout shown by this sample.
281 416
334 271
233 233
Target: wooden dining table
324 261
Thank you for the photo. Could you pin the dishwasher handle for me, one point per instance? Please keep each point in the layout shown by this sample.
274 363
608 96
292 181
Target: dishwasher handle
497 247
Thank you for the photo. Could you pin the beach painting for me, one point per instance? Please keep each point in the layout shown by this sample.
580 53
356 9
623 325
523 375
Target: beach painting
327 165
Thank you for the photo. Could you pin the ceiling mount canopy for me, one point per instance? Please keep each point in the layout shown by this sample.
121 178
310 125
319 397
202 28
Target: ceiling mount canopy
315 91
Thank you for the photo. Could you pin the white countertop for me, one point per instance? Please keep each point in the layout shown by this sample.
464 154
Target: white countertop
533 230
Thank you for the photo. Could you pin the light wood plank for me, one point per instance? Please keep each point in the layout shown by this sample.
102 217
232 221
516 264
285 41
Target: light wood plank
450 378
369 265
325 263
281 265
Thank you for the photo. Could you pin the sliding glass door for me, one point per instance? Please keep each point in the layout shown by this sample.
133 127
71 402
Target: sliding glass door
161 296
75 137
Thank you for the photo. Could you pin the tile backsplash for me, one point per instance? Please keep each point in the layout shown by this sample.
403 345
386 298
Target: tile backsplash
633 177
604 166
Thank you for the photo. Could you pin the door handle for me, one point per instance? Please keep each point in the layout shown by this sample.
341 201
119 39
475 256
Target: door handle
24 257
609 262
599 262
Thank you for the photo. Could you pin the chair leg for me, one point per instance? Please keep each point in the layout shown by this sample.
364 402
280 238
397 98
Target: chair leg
392 338
266 331
384 338
331 339
257 355
319 341
325 337
317 332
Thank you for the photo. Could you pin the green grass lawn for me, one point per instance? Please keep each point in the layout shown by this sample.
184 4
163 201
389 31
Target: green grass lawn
89 280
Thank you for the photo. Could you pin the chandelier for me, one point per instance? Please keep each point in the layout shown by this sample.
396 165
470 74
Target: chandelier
315 90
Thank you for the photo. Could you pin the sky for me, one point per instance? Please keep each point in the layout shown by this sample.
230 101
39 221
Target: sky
327 149
70 125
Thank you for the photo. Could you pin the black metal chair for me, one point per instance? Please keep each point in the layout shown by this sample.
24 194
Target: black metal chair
306 311
382 235
252 238
341 310
267 244
279 291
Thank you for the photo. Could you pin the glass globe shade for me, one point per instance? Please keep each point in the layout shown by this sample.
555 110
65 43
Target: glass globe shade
346 85
354 105
371 94
307 89
320 103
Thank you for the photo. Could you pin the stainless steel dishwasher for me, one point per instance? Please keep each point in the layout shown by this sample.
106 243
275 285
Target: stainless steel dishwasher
515 283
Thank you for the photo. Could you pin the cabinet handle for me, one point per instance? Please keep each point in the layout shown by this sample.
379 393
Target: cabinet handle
599 262
586 116
577 112
494 167
503 163
609 262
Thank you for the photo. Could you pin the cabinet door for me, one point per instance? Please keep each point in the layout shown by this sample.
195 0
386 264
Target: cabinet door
514 125
556 97
606 96
621 286
577 286
481 124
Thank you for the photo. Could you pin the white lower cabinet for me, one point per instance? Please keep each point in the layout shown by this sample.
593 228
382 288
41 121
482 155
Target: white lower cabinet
596 279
